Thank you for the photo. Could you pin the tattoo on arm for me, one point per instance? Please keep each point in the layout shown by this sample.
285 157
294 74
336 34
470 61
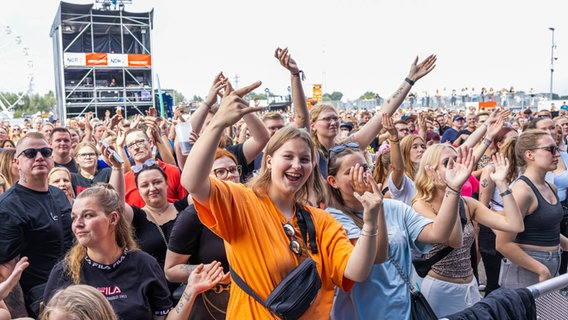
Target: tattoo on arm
184 298
484 183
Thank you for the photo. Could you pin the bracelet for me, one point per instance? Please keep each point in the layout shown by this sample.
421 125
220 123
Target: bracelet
506 192
363 233
453 190
410 82
394 141
300 72
117 168
487 141
206 104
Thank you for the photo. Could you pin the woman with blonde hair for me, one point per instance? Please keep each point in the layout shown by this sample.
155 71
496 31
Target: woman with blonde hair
7 167
450 285
61 178
78 302
106 256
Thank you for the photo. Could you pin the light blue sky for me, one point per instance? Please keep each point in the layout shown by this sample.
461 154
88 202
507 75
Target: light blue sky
351 46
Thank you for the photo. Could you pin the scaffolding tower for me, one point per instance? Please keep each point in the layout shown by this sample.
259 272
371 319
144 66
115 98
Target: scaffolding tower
102 60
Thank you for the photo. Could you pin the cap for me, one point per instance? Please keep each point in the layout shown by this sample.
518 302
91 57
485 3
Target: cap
458 117
408 117
348 125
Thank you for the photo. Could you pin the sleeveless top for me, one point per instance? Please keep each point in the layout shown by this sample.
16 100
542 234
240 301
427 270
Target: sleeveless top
542 226
457 264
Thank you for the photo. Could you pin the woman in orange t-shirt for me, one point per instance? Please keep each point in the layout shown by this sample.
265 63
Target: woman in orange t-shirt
252 220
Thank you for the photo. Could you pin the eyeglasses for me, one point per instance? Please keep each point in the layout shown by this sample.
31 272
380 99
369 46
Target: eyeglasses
329 119
136 143
32 152
86 155
223 173
551 149
294 243
342 147
148 163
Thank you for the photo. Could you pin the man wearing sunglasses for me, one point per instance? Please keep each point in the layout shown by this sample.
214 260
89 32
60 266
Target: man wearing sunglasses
140 149
36 220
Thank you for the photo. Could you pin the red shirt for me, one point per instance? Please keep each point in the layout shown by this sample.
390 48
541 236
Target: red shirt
175 190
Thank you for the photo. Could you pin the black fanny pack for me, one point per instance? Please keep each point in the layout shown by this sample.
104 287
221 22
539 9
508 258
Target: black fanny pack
297 291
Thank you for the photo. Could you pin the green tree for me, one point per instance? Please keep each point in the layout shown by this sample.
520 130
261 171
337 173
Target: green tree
367 95
336 95
196 98
178 97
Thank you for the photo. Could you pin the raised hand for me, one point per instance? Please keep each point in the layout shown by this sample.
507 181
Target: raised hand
233 107
389 126
418 71
457 172
286 60
422 122
500 168
371 198
218 83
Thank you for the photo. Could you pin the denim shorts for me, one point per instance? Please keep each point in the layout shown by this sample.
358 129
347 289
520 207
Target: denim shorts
513 277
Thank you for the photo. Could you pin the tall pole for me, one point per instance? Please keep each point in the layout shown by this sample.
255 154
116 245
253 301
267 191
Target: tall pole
552 61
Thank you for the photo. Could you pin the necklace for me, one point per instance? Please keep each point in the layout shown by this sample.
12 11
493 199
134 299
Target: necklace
431 207
159 212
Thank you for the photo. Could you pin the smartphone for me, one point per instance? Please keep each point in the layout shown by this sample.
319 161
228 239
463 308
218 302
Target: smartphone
114 154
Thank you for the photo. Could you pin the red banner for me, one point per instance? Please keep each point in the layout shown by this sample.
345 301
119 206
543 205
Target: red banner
139 60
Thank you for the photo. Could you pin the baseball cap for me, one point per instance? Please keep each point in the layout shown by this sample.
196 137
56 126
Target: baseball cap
458 117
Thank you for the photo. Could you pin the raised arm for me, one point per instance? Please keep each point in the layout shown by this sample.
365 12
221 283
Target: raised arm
195 177
511 219
197 119
117 181
372 128
397 162
445 223
298 96
372 245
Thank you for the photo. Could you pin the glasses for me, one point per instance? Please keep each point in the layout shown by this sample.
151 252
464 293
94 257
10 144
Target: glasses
342 147
329 119
136 143
148 163
294 243
86 155
32 152
551 149
223 173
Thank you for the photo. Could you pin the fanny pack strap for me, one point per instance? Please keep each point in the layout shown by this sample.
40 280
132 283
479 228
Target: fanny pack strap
307 228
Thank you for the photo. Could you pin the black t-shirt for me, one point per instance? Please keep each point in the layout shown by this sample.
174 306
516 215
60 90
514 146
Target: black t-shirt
248 168
134 285
148 236
71 165
36 225
190 237
81 183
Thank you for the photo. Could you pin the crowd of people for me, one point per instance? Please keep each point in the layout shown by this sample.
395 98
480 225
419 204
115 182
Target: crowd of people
357 197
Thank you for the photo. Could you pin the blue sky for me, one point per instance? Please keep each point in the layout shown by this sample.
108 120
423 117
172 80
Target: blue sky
351 46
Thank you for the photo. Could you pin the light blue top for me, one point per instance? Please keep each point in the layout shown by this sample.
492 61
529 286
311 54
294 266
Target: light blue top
384 295
560 180
405 193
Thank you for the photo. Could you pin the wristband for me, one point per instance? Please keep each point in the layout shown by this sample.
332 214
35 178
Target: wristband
394 141
506 192
453 190
206 104
300 74
410 82
363 233
487 141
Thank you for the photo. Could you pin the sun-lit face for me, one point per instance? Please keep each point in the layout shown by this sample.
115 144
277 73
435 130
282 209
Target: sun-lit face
61 143
153 187
546 155
91 226
290 167
62 180
417 150
327 124
86 157
274 125
38 166
138 146
225 168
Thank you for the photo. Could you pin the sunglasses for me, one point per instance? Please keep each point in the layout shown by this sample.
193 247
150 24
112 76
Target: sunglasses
342 147
148 163
551 149
31 153
294 243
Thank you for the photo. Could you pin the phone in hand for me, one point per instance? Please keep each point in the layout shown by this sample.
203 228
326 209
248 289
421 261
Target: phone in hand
114 154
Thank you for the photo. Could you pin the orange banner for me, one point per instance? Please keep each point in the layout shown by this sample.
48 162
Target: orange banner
96 59
139 60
